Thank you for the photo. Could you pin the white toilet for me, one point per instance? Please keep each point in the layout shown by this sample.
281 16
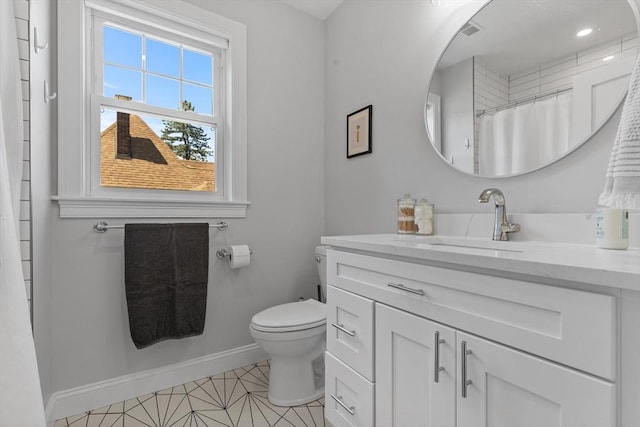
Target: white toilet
293 335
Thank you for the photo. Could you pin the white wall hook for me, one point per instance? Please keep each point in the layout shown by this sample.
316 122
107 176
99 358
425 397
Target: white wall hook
38 47
47 96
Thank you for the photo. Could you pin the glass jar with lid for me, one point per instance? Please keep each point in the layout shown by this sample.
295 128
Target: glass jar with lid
406 215
423 213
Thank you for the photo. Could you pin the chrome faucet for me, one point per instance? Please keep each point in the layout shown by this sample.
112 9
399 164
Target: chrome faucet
501 226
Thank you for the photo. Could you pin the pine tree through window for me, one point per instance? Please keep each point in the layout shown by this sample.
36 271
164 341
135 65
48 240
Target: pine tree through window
188 141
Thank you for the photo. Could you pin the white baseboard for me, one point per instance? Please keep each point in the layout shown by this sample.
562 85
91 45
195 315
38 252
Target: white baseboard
92 396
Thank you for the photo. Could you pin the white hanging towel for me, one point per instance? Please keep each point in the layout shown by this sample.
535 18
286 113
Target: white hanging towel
622 186
20 395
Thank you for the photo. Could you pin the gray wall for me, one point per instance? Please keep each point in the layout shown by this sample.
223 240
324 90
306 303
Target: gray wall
383 53
89 323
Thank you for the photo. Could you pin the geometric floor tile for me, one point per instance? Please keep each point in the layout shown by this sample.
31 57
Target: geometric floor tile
236 398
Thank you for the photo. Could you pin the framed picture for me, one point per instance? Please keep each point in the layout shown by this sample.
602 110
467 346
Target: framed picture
359 132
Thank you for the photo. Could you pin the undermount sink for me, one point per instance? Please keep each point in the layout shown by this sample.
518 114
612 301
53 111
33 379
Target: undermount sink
462 242
465 243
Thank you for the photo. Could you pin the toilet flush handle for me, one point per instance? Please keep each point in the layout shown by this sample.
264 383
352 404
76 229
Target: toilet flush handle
318 259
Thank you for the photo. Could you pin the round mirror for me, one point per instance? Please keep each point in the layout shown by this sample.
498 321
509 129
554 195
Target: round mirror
524 83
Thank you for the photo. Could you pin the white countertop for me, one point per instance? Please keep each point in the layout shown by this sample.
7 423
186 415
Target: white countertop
575 262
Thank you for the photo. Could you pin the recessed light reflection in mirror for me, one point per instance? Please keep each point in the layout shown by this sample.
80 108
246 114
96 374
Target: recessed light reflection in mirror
585 32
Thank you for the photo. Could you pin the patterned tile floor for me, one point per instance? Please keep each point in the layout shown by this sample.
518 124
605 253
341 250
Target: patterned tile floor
236 398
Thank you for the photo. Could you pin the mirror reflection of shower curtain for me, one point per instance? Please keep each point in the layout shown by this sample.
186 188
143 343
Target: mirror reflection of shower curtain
525 137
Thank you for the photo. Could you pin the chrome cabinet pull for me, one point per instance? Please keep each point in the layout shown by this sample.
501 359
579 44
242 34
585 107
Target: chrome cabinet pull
405 288
465 382
436 357
342 328
349 409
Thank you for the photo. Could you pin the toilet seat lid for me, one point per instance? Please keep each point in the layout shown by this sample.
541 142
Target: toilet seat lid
292 316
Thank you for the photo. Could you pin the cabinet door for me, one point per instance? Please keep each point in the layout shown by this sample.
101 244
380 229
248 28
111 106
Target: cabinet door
409 390
510 388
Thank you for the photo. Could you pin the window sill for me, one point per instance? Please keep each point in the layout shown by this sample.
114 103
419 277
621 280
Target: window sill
83 207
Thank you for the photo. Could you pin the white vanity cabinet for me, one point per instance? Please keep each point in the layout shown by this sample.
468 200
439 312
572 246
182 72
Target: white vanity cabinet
536 355
504 387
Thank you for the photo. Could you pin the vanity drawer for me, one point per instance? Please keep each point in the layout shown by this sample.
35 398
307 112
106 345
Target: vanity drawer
348 398
350 330
573 327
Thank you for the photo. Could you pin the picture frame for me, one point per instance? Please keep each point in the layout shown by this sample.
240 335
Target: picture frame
359 132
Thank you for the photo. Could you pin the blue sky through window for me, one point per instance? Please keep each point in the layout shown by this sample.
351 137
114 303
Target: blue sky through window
157 73
197 67
121 81
114 40
162 58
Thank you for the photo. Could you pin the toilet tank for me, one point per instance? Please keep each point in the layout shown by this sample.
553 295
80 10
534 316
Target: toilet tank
321 260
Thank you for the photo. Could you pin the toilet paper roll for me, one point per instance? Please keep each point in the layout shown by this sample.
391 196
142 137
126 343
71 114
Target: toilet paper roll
239 256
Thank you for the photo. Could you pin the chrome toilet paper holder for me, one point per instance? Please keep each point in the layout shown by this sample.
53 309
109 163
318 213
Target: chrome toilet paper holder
224 253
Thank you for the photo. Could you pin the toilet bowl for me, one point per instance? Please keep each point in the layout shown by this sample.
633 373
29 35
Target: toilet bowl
294 336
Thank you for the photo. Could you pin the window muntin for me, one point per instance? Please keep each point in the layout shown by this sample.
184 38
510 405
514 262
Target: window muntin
159 74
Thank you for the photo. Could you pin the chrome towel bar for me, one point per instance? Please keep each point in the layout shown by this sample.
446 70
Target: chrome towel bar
102 226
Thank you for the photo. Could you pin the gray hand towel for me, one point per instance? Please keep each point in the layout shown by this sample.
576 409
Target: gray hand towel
166 268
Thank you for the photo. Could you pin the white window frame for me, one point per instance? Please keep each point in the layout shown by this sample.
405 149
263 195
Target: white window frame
98 18
78 163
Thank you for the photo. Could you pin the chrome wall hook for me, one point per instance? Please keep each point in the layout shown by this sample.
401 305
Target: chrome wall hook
47 95
37 47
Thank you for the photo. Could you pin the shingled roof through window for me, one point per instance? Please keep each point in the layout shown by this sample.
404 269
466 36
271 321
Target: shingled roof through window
151 163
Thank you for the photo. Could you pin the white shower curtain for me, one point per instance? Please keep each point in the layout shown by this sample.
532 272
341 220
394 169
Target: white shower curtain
20 394
523 138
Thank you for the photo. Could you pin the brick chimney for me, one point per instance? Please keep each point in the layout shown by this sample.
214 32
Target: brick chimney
123 136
